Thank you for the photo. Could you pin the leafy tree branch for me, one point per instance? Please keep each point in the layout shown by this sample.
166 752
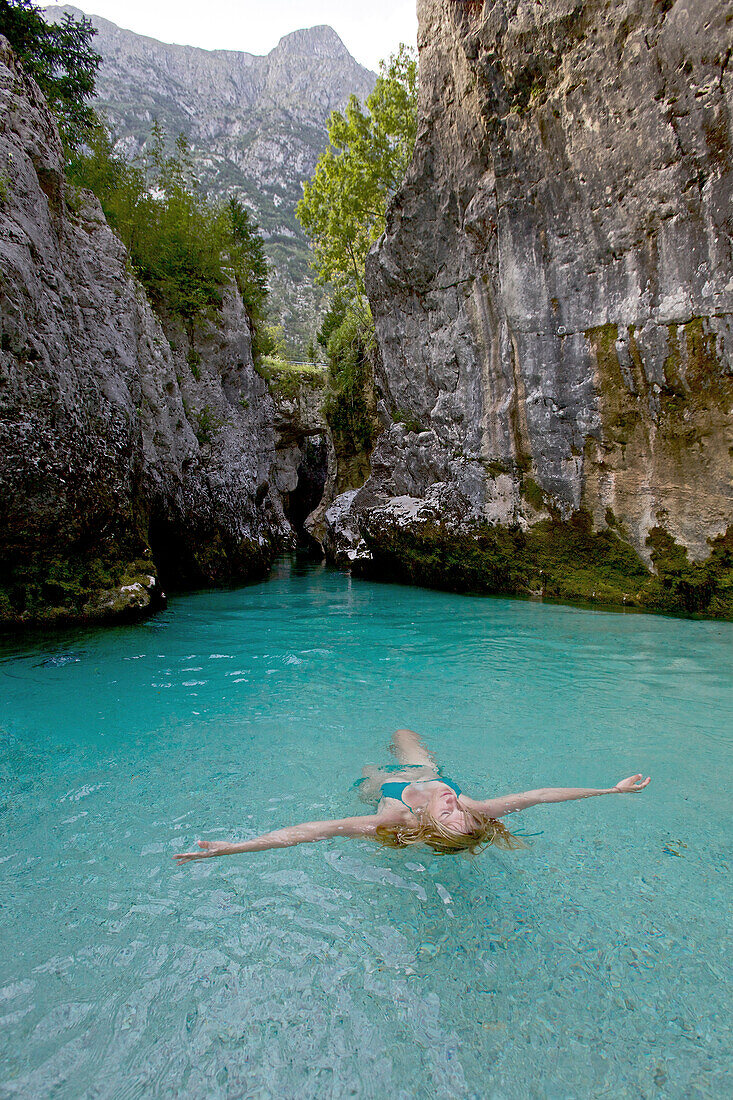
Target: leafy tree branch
344 203
60 58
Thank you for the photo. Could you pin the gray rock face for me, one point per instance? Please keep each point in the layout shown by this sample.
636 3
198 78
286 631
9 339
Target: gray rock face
305 467
256 125
342 539
118 455
553 294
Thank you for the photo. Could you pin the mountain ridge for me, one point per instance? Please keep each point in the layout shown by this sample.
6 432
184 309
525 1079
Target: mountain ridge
256 131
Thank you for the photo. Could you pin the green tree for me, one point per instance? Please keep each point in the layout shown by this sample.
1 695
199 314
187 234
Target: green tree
59 56
278 347
333 318
350 403
344 203
183 248
247 252
343 212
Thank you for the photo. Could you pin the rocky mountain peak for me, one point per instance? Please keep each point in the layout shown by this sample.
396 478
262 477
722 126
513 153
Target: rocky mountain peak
320 42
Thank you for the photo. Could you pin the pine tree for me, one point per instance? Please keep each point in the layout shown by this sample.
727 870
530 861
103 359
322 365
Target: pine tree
60 57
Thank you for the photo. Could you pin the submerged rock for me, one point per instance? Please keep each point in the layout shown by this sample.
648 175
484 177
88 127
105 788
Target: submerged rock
553 294
132 456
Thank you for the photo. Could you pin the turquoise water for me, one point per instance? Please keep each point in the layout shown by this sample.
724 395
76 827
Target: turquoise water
594 964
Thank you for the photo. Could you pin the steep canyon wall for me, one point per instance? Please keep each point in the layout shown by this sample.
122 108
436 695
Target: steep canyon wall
129 457
554 292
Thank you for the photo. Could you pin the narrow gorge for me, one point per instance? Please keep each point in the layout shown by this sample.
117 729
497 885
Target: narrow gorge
132 459
553 367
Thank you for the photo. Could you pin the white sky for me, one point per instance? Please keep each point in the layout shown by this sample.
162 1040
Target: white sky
370 29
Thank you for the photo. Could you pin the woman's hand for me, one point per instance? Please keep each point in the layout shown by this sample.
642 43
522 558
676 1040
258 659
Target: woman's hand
632 785
209 848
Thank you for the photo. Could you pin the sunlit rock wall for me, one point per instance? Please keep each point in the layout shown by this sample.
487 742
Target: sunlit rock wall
553 294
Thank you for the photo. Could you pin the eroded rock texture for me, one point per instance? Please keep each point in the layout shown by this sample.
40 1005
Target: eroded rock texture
553 294
129 457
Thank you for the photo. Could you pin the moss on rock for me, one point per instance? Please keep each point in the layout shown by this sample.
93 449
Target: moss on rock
704 587
562 560
77 585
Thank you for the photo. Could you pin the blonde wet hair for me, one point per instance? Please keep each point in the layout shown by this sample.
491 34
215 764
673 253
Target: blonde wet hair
424 829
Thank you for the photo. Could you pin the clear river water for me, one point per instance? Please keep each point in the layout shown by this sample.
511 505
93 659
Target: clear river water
595 963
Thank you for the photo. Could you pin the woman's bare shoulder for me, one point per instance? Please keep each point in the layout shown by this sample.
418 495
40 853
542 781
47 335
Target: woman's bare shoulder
392 812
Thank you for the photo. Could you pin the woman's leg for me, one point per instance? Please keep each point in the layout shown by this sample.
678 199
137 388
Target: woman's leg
409 749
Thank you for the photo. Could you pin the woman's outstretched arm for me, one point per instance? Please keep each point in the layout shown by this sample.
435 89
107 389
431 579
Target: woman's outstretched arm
510 803
305 833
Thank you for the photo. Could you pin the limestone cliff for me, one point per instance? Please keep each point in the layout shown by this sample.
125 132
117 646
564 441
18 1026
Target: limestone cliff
128 457
554 291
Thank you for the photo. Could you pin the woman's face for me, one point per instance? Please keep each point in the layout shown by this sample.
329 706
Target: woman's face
445 808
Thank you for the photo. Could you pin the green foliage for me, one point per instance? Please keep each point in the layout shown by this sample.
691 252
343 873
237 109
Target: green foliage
571 561
533 493
682 585
246 253
285 379
343 212
59 56
349 405
177 240
408 420
488 560
194 361
333 319
277 347
207 425
558 560
347 336
183 248
344 203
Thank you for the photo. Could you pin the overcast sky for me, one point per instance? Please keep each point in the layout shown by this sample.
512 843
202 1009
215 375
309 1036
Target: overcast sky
370 29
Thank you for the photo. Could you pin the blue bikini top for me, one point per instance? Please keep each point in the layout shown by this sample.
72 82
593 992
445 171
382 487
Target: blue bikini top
396 790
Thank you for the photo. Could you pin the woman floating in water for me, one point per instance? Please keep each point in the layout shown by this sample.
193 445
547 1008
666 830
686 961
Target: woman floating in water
416 805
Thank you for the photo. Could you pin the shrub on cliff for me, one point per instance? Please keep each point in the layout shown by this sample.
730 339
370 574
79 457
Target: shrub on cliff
183 248
350 401
60 58
245 249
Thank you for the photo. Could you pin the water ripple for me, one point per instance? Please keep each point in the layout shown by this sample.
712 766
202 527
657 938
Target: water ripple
341 969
